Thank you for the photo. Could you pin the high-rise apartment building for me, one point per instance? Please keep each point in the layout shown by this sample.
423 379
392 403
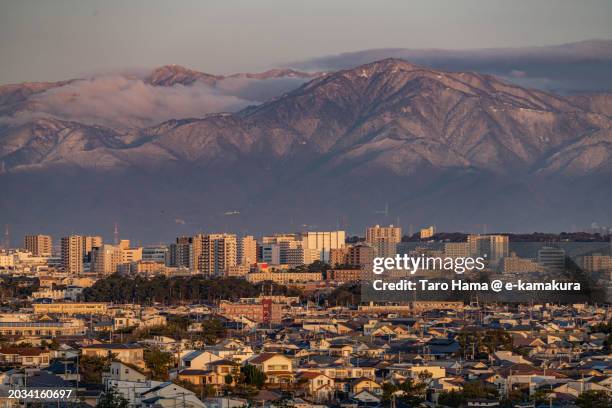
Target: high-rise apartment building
358 255
218 253
287 249
384 239
179 253
323 242
105 259
457 249
597 263
72 254
428 232
89 243
493 247
246 250
38 245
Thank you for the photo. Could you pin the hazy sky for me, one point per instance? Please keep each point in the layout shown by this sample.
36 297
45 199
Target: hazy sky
59 39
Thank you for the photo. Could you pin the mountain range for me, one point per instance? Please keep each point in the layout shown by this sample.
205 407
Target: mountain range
571 68
455 149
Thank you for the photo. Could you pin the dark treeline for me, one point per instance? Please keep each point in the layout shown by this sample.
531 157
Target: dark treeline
193 289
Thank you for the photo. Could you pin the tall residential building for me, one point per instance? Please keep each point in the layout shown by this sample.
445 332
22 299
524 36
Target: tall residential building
494 247
218 253
299 256
89 243
337 256
38 245
105 259
246 250
515 264
124 244
323 242
358 255
457 249
597 263
179 253
195 252
72 254
361 255
428 232
290 248
384 239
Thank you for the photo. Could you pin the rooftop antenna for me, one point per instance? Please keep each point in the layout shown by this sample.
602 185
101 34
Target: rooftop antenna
116 233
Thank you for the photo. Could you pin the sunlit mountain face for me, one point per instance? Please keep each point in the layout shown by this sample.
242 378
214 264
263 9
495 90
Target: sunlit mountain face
285 148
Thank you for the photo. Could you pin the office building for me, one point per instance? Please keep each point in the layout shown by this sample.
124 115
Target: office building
552 259
270 254
156 254
129 255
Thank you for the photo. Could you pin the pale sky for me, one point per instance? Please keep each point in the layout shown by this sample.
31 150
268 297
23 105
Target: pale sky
60 39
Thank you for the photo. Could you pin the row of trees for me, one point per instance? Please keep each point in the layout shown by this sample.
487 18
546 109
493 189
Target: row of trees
201 289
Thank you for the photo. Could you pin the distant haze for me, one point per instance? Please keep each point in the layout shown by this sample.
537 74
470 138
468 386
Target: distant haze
43 40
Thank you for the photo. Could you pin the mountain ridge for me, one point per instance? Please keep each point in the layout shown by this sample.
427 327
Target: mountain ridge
385 131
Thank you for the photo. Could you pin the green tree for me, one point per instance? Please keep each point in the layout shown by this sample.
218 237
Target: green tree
158 362
542 396
212 331
388 390
228 379
176 290
414 392
112 399
318 266
483 342
451 398
92 367
347 294
253 376
594 399
477 389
